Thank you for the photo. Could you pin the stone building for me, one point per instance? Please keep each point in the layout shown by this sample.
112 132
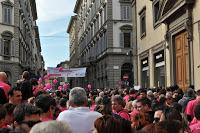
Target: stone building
168 42
19 39
73 42
104 34
74 49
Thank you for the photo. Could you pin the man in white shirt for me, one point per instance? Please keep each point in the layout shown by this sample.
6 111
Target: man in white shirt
79 116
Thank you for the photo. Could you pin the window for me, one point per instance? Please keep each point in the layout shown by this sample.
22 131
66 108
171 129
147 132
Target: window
142 22
125 36
159 69
145 72
6 47
105 13
155 11
127 40
125 12
7 14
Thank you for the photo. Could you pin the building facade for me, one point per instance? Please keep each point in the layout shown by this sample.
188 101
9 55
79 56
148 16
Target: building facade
168 42
19 39
74 49
104 32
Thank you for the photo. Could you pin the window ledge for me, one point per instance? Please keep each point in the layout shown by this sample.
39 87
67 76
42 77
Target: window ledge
122 1
143 35
156 25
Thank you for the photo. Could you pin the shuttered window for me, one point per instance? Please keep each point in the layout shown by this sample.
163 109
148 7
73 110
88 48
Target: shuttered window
125 39
155 6
143 22
7 47
7 15
125 12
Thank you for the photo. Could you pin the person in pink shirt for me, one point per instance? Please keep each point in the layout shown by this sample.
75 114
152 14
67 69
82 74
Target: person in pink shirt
189 110
118 105
195 128
3 83
126 93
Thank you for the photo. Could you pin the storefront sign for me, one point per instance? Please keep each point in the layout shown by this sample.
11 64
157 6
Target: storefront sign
159 57
145 63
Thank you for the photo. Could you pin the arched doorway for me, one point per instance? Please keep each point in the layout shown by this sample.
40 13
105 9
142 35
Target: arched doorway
127 75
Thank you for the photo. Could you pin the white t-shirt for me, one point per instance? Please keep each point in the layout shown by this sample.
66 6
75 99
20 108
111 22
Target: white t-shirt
80 119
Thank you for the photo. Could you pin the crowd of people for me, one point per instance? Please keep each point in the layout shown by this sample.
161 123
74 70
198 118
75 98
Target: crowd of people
107 110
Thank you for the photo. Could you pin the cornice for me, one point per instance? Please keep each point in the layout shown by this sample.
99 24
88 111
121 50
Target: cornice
78 2
72 19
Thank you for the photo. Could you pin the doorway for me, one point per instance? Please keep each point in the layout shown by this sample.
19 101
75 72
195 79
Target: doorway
182 60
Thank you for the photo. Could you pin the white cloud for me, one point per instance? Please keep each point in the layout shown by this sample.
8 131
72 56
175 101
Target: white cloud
51 10
55 32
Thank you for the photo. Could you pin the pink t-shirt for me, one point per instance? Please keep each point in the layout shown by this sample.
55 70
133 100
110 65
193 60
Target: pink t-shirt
189 110
195 128
126 98
194 121
5 87
134 112
124 114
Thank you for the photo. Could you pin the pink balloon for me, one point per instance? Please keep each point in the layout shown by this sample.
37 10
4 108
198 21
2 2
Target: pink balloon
60 88
60 69
55 81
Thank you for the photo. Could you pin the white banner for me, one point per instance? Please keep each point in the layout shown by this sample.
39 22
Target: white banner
72 72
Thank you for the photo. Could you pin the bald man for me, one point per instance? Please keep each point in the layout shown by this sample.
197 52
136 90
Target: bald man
3 83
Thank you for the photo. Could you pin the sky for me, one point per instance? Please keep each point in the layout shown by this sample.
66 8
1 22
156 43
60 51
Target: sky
53 19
